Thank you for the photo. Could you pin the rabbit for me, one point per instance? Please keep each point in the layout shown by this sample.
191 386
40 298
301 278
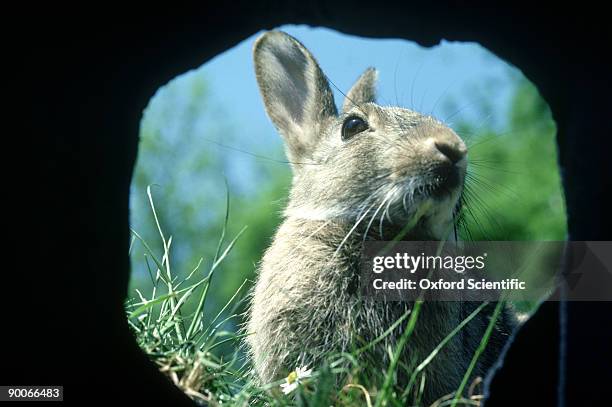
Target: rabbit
359 174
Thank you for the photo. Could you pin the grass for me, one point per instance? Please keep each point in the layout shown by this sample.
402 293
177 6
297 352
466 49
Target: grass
191 346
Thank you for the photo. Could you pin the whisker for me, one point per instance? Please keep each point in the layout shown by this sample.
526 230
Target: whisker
343 94
352 230
262 157
413 83
365 235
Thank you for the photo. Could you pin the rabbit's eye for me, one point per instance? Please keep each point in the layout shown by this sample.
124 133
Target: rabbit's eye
353 125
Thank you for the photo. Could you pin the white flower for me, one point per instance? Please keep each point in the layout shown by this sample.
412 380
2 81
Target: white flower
295 378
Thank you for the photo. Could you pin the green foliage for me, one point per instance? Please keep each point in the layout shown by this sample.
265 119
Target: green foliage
513 188
262 216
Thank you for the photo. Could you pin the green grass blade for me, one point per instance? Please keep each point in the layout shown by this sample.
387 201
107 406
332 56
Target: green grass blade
149 304
384 334
481 347
441 345
381 399
200 306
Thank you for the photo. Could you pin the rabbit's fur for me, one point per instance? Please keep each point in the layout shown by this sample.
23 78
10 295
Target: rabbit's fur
307 303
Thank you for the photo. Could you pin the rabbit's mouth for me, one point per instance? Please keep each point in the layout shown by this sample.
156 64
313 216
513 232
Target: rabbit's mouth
430 202
444 183
441 183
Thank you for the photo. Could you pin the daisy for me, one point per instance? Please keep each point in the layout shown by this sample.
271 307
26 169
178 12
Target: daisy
295 378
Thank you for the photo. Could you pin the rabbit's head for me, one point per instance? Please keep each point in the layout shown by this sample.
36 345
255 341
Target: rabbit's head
366 162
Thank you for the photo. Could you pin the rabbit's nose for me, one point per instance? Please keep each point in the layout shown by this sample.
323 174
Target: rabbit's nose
455 152
447 146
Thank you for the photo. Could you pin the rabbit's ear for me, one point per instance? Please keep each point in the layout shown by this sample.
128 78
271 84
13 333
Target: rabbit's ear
296 94
363 91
